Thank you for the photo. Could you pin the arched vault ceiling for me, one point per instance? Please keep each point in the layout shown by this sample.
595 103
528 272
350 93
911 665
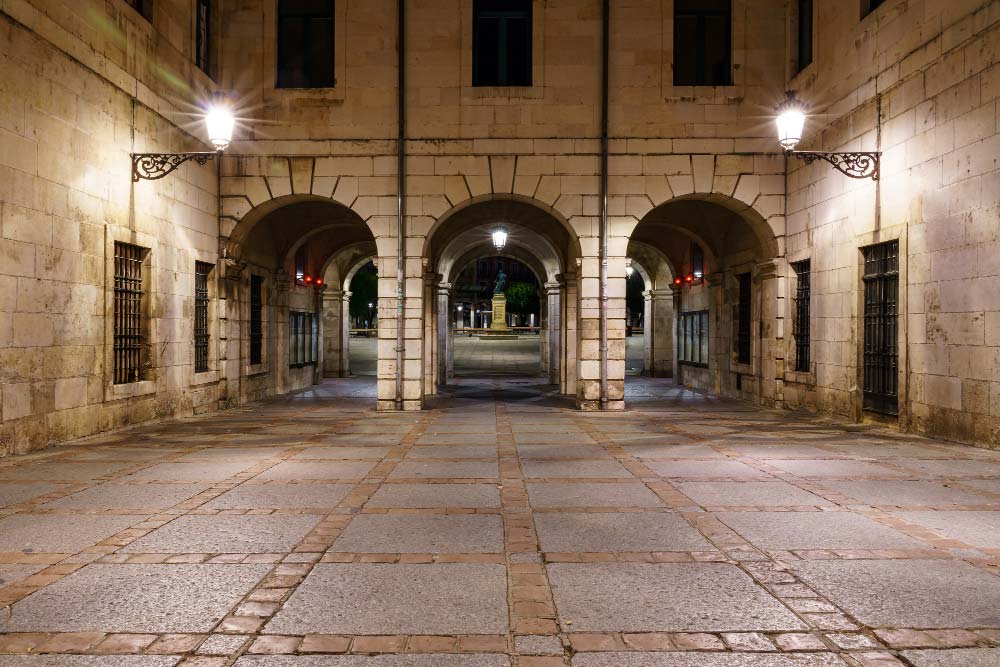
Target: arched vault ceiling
523 243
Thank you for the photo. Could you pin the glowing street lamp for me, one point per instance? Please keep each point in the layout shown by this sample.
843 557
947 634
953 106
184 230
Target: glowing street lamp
629 269
219 123
790 121
499 237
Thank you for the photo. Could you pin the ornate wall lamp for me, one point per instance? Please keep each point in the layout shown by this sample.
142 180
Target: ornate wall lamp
791 119
151 166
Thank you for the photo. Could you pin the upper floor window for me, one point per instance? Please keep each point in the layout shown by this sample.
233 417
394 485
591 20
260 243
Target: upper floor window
702 42
305 44
144 7
804 35
868 6
501 43
203 35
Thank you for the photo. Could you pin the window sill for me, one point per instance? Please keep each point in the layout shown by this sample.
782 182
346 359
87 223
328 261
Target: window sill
335 93
306 365
801 377
502 92
256 369
205 377
691 364
730 94
117 392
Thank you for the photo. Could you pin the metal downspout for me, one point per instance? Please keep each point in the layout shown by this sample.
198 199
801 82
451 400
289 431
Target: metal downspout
605 40
400 198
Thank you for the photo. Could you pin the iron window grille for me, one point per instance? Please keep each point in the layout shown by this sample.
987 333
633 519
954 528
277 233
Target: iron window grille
703 42
256 320
201 336
881 326
128 329
306 44
744 321
800 324
501 43
203 35
302 335
692 338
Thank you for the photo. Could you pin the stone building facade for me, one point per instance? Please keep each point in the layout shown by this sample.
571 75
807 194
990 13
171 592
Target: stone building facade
690 182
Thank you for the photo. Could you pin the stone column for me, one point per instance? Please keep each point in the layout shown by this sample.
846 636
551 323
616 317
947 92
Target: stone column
660 337
331 314
443 339
647 333
231 331
344 332
720 330
320 329
278 331
553 330
766 321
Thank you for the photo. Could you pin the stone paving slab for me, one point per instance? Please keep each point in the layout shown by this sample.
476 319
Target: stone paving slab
788 531
135 598
120 453
582 494
346 452
681 469
223 454
61 472
453 452
398 660
613 531
227 534
837 468
362 598
977 529
952 469
88 660
903 493
652 451
446 470
574 469
189 472
489 439
908 593
960 657
290 471
562 452
422 533
664 597
421 496
127 496
776 451
281 496
14 493
737 494
60 533
704 660
11 574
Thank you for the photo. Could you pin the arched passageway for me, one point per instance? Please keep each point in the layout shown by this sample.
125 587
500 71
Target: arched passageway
710 304
290 269
539 241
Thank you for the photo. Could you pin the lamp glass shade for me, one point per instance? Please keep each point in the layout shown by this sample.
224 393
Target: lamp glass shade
219 122
499 238
791 119
629 270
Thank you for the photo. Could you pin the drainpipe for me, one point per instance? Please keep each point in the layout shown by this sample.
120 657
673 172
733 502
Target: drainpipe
400 197
605 39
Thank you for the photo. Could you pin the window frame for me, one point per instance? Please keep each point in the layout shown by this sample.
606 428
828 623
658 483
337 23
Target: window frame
802 29
880 328
693 348
501 81
255 320
143 8
203 35
303 332
869 6
129 326
801 314
744 318
335 55
202 327
701 50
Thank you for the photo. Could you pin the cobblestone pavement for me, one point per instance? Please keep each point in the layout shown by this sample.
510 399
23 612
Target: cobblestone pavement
499 529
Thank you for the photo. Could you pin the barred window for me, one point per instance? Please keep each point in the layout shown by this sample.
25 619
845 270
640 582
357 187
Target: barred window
744 321
203 35
501 43
881 328
306 44
800 323
201 338
692 338
128 325
256 320
302 336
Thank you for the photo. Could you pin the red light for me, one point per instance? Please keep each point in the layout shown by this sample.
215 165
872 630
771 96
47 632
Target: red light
678 281
308 278
689 278
319 281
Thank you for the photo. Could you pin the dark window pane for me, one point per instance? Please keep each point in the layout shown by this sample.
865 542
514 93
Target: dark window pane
306 44
702 48
128 325
744 313
501 43
203 35
800 322
881 324
256 320
144 7
805 33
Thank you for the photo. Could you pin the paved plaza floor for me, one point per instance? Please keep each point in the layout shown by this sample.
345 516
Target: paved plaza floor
501 528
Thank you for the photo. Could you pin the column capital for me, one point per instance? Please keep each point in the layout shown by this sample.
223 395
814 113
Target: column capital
282 281
714 279
233 269
766 270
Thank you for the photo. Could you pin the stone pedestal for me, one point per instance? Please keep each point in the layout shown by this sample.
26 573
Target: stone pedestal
499 319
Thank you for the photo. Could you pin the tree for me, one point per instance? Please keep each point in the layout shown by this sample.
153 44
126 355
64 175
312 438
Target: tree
364 290
522 298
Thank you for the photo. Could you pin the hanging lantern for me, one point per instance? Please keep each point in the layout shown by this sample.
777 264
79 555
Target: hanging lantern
499 234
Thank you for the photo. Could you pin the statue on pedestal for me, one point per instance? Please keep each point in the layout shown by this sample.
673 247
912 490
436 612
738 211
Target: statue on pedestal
501 283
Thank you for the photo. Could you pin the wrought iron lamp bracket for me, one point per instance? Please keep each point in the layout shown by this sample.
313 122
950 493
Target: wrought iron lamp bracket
152 166
855 165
